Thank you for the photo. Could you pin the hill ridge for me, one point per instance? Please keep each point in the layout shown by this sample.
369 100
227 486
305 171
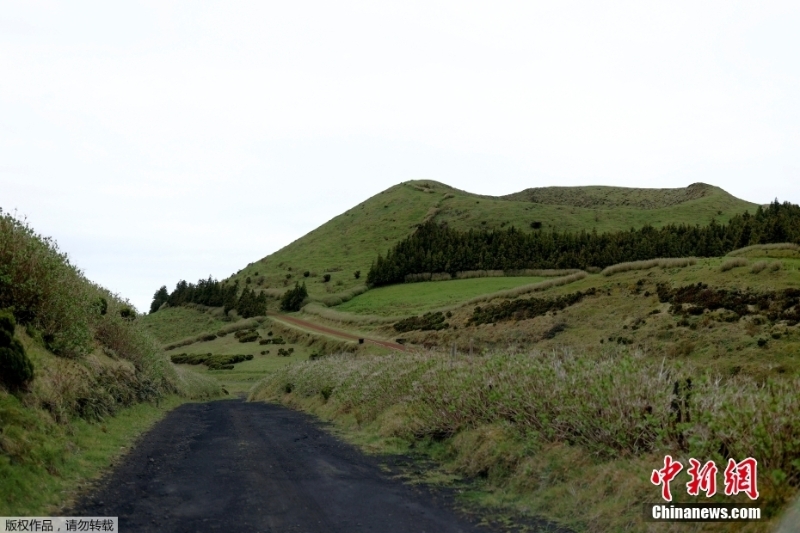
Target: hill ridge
348 243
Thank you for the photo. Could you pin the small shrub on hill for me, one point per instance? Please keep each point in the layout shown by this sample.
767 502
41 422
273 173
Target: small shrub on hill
427 322
249 336
523 309
293 299
696 299
326 278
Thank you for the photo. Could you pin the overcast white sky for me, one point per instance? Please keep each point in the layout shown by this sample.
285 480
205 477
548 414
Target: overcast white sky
161 140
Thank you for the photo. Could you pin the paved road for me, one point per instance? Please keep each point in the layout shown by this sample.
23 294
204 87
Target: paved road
237 466
338 333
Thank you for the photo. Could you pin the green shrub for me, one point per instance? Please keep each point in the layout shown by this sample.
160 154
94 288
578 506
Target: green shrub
16 370
428 321
357 274
326 278
293 299
306 274
251 336
522 309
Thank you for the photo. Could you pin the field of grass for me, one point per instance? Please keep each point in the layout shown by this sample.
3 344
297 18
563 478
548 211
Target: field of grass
351 241
245 374
176 323
416 298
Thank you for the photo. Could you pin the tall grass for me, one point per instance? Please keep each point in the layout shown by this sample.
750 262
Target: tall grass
341 297
765 247
730 264
45 289
676 262
760 266
617 404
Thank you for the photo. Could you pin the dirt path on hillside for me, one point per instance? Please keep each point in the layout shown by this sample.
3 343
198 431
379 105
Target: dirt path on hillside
330 331
255 467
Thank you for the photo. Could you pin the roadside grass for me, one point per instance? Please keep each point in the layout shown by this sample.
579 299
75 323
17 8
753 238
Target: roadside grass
351 241
416 298
62 460
559 434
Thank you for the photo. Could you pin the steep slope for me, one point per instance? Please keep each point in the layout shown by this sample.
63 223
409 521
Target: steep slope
351 241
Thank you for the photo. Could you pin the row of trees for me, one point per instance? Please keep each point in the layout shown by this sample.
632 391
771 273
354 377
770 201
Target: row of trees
437 248
212 293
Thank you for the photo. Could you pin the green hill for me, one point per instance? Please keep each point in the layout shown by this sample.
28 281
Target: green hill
351 241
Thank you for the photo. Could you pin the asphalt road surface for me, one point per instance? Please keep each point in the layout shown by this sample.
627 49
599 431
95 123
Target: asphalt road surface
237 466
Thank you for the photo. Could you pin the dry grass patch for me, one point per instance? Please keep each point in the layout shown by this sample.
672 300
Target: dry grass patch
764 248
730 264
676 262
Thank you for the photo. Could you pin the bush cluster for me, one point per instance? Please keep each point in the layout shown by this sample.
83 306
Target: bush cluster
213 362
246 335
428 321
698 298
274 340
284 352
523 309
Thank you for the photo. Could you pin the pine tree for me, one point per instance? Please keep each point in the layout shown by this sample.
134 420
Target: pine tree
293 298
159 298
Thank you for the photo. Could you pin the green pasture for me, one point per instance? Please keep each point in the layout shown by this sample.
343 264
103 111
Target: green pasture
415 298
246 373
176 323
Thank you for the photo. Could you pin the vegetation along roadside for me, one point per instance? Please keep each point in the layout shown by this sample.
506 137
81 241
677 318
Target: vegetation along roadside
80 378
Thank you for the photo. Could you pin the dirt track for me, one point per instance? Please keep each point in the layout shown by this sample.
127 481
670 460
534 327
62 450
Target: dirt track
330 331
236 466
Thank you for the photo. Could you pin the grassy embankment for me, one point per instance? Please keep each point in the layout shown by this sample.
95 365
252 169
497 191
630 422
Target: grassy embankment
566 414
352 240
98 380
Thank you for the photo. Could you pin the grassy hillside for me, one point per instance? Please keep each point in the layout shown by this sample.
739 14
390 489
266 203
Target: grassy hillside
351 241
565 413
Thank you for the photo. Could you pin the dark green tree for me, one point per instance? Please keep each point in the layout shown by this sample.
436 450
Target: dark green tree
293 298
16 370
159 298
